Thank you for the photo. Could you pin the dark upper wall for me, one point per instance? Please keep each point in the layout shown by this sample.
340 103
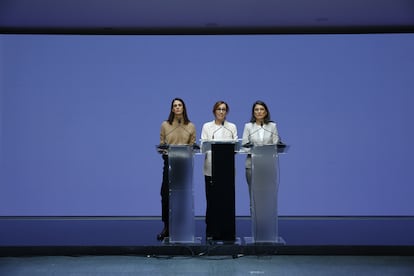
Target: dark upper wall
213 16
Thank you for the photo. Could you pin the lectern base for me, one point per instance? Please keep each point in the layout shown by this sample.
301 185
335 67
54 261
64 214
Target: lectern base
278 241
212 241
197 240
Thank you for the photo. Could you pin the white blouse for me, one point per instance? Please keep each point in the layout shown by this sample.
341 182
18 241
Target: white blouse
255 134
212 131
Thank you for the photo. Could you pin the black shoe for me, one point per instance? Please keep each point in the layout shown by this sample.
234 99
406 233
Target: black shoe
164 233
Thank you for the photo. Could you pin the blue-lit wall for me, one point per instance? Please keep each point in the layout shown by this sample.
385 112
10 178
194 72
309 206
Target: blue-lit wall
81 115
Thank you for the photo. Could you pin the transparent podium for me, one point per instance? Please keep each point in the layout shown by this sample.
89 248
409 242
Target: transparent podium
264 194
222 219
181 194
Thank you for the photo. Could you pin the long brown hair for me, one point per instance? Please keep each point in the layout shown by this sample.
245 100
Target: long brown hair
171 116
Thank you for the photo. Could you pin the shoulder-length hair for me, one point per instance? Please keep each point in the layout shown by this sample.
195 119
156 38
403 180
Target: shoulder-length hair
171 116
218 103
267 118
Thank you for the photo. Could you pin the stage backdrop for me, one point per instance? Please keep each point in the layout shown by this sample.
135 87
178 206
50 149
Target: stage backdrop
81 114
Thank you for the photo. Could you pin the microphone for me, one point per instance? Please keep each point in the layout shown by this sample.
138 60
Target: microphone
171 131
249 144
222 125
179 125
254 132
232 134
271 132
226 128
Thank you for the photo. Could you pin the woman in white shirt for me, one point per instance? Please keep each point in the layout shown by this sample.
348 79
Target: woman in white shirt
259 131
218 129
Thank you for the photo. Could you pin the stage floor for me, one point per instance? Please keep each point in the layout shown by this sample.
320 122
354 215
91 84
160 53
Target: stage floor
137 235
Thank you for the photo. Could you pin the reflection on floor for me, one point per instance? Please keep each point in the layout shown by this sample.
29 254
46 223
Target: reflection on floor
208 265
137 235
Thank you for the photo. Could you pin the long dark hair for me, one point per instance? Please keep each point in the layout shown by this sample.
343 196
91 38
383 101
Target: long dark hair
171 116
267 118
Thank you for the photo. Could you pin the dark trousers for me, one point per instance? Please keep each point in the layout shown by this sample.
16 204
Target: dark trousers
165 192
208 186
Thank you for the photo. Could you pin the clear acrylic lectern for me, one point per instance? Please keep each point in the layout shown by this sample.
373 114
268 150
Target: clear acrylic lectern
264 194
181 194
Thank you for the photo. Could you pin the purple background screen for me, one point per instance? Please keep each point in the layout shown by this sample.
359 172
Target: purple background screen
80 116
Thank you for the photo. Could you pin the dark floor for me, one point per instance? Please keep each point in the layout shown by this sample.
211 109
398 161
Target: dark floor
295 265
127 246
75 236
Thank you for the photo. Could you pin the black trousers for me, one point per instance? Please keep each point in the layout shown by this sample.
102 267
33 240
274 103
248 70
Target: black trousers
165 191
208 187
